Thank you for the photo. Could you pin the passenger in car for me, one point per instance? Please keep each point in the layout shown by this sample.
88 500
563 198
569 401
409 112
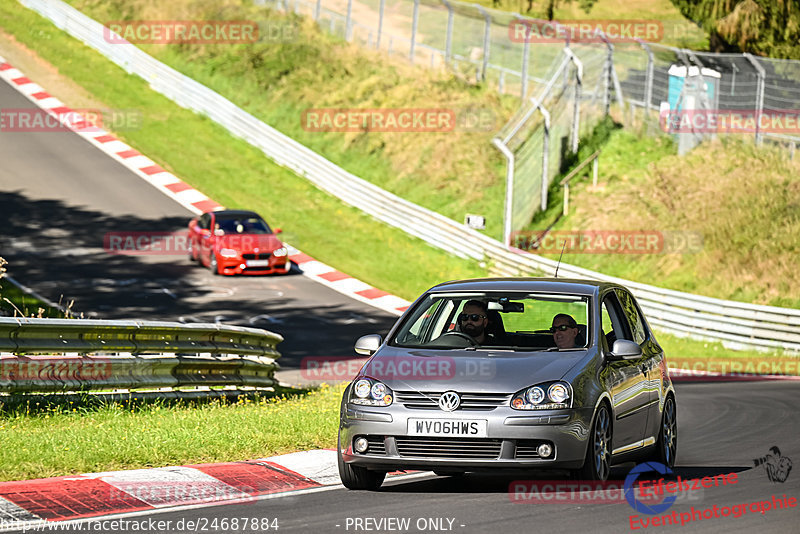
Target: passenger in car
565 331
473 320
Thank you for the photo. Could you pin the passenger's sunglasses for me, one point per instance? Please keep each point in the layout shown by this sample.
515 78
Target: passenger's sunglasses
471 316
563 327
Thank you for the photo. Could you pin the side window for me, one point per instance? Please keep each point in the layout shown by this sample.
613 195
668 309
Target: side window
205 221
614 323
634 317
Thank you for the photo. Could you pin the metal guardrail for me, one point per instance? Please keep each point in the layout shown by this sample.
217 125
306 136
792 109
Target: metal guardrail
735 324
67 355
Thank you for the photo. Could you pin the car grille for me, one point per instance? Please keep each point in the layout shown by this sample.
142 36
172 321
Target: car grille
262 256
376 445
479 449
469 401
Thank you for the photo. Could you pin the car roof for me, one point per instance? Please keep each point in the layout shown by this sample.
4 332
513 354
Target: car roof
547 285
235 213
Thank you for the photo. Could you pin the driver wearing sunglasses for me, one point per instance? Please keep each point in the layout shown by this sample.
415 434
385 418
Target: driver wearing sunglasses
473 320
565 331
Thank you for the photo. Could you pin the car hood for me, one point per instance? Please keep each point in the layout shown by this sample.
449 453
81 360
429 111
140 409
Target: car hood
482 371
247 243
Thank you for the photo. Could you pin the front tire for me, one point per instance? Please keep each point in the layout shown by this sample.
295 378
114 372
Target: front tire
212 263
358 478
597 465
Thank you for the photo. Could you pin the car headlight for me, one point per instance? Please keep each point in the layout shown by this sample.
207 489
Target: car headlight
559 395
371 392
534 395
278 252
228 253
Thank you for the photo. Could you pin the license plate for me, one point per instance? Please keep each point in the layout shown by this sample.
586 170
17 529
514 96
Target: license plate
466 428
257 263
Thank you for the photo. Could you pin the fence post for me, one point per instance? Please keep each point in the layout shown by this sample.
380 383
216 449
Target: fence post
545 157
594 171
317 9
380 23
348 21
648 79
565 209
414 23
448 43
526 50
509 201
576 108
759 95
487 28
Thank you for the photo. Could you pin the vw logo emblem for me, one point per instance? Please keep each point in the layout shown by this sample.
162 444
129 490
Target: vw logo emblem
449 401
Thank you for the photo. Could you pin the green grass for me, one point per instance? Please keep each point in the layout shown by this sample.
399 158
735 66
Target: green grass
68 438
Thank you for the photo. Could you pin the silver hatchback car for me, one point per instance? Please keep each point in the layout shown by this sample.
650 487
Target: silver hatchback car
518 373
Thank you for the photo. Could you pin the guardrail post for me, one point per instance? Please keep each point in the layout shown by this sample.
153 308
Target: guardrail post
487 28
594 171
348 20
759 95
565 210
317 9
414 24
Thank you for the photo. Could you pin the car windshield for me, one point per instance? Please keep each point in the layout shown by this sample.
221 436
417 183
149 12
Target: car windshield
243 225
518 321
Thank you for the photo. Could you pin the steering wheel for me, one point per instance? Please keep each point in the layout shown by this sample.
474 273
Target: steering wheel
462 335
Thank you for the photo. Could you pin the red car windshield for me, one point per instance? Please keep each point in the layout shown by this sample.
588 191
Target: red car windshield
243 225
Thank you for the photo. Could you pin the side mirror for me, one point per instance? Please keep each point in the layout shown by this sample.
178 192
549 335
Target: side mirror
367 345
277 230
624 349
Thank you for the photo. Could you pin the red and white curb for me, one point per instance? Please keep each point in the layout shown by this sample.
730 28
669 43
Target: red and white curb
34 502
183 193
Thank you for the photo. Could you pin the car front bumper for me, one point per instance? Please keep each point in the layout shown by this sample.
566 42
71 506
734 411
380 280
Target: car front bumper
512 439
238 266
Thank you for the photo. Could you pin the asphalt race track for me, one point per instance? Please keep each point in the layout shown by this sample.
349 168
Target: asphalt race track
59 197
722 428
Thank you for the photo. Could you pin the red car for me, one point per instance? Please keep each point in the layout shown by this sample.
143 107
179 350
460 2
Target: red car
237 242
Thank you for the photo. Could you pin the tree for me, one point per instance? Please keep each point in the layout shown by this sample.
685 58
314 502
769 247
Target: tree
764 27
